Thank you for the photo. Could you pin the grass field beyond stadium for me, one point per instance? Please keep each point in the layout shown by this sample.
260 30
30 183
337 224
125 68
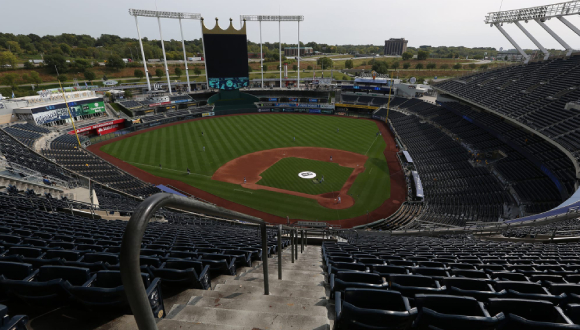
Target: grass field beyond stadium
226 138
284 175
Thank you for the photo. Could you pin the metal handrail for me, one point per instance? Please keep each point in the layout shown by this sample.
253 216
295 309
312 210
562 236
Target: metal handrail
131 248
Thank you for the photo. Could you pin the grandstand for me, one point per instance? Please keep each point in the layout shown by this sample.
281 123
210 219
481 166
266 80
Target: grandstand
485 234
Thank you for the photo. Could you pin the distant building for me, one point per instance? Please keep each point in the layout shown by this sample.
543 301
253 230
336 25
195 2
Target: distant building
509 55
424 46
304 51
395 46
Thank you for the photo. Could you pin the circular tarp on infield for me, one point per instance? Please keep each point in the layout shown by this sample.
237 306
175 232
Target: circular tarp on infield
307 175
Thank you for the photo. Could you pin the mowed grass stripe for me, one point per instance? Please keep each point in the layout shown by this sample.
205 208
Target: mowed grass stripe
234 136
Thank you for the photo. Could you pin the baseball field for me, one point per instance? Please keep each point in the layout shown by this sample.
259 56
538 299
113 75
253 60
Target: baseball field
298 166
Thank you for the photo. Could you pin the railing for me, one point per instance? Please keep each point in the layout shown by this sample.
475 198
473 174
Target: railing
133 236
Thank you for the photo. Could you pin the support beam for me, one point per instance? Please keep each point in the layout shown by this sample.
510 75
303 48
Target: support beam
143 54
534 40
204 57
261 57
554 35
514 43
280 48
569 25
298 79
164 56
184 57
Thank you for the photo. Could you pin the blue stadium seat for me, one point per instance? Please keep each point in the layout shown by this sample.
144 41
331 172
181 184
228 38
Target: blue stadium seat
476 288
410 285
105 291
346 266
358 308
17 322
528 290
453 313
524 314
355 279
183 273
12 271
219 263
49 285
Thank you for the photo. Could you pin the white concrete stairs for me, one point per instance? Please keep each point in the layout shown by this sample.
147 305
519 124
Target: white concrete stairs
298 302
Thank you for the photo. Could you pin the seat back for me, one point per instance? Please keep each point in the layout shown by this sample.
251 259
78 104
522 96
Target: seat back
26 252
534 310
112 279
74 275
109 258
413 280
339 266
359 277
15 270
387 269
467 284
184 265
375 299
452 305
522 287
68 255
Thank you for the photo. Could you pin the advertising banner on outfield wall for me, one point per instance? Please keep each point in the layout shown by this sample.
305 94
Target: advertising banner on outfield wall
314 111
102 128
208 114
263 110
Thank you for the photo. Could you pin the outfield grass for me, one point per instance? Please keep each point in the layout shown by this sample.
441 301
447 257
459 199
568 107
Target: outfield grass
225 138
284 175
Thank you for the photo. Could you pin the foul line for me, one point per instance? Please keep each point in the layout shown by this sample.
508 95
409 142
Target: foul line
249 192
375 140
169 169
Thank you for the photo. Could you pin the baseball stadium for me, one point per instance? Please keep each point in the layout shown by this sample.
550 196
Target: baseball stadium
243 198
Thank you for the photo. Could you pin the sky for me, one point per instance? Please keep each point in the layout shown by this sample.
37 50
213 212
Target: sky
421 22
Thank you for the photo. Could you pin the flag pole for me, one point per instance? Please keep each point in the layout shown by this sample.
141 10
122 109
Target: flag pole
389 102
69 114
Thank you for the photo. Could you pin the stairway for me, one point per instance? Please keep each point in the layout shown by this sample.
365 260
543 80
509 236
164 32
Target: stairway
297 302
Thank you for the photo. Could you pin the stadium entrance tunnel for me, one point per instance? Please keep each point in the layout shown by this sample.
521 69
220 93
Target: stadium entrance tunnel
247 169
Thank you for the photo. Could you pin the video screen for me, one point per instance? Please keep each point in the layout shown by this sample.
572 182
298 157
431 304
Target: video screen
226 57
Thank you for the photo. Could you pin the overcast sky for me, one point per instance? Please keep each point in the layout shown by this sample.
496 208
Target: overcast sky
422 22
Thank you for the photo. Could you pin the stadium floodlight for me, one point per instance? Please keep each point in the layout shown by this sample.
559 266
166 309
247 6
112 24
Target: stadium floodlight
165 14
542 13
539 14
279 19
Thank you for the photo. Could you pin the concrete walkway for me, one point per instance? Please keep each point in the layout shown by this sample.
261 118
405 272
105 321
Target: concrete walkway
298 301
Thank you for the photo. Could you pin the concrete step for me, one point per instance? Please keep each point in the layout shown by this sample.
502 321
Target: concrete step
274 277
127 322
273 269
293 275
243 297
277 284
259 320
274 291
256 304
275 280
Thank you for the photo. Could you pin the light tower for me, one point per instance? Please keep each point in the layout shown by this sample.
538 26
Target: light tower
540 15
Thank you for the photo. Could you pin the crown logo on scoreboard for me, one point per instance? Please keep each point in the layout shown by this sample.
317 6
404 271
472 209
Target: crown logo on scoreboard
218 30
